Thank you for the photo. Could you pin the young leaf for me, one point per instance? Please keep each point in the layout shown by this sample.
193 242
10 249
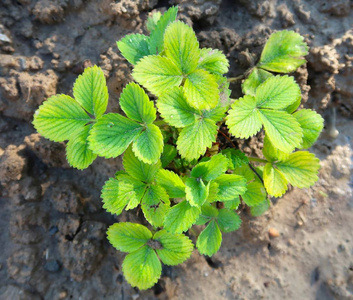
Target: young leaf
138 169
136 104
300 169
112 134
91 92
228 220
282 129
233 204
168 155
176 248
142 268
210 239
275 182
196 191
283 52
174 108
243 119
236 158
181 217
148 146
277 92
78 154
213 61
59 118
172 183
255 194
207 213
311 123
271 153
134 47
211 169
257 77
128 237
230 186
181 46
152 21
258 210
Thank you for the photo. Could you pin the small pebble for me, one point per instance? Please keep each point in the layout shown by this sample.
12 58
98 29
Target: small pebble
52 266
53 230
273 233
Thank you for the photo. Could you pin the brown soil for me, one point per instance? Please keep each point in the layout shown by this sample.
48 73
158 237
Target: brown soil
53 225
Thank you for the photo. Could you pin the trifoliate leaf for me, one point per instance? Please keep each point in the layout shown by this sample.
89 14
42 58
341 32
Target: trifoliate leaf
134 47
201 90
128 237
311 123
277 92
255 194
230 186
168 155
210 239
157 74
236 158
245 171
112 134
213 61
211 169
172 183
300 169
152 21
257 77
194 139
282 129
181 217
274 180
207 213
181 46
228 220
243 118
174 108
271 153
148 146
283 52
258 210
176 248
157 34
60 118
196 191
233 204
155 205
142 268
138 169
136 104
91 92
77 153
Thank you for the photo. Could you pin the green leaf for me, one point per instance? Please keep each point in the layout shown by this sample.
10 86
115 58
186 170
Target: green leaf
201 90
258 210
174 108
311 123
172 183
152 21
236 158
112 134
77 153
157 35
128 237
168 155
181 217
91 92
216 114
148 146
207 213
196 191
213 191
230 186
271 153
213 61
210 239
138 169
181 46
257 77
277 92
275 182
157 74
233 204
211 169
228 220
282 129
293 107
142 268
194 139
300 169
243 118
59 118
176 247
283 52
136 104
139 189
245 171
255 194
134 47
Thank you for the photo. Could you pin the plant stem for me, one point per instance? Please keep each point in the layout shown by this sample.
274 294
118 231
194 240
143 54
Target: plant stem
227 138
260 160
235 79
257 174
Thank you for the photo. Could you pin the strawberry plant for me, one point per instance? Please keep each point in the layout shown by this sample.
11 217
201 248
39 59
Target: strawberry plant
177 166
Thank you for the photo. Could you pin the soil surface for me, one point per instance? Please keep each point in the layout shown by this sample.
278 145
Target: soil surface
52 237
